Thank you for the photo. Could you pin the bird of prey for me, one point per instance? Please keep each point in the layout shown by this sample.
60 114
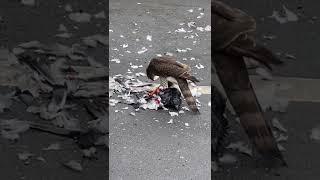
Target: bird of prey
172 72
232 40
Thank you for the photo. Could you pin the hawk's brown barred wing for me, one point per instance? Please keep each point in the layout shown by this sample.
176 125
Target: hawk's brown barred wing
166 66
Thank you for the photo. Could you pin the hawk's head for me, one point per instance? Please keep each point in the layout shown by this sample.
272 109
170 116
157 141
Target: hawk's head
150 75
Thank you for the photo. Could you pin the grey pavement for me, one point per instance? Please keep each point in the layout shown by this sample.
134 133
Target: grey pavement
146 146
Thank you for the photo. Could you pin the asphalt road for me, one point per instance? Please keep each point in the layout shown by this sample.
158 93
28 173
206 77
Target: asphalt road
146 146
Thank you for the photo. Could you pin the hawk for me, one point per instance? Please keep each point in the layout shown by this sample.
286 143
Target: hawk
233 40
173 72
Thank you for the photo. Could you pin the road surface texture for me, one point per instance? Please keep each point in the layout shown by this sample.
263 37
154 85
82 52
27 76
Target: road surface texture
39 21
146 146
299 37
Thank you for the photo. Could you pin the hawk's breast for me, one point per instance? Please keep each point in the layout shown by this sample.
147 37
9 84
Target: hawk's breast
172 79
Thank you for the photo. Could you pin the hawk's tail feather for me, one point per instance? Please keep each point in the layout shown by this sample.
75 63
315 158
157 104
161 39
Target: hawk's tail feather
260 133
235 79
183 85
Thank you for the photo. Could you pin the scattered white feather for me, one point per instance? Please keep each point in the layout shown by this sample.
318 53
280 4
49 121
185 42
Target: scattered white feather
169 54
199 66
207 28
143 50
149 37
191 24
289 16
200 29
173 113
201 16
181 30
181 50
115 60
113 102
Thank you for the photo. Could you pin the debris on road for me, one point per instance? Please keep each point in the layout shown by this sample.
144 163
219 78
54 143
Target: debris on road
25 156
100 15
228 159
143 95
80 17
241 147
276 123
12 128
54 146
170 121
74 165
315 133
28 2
286 16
